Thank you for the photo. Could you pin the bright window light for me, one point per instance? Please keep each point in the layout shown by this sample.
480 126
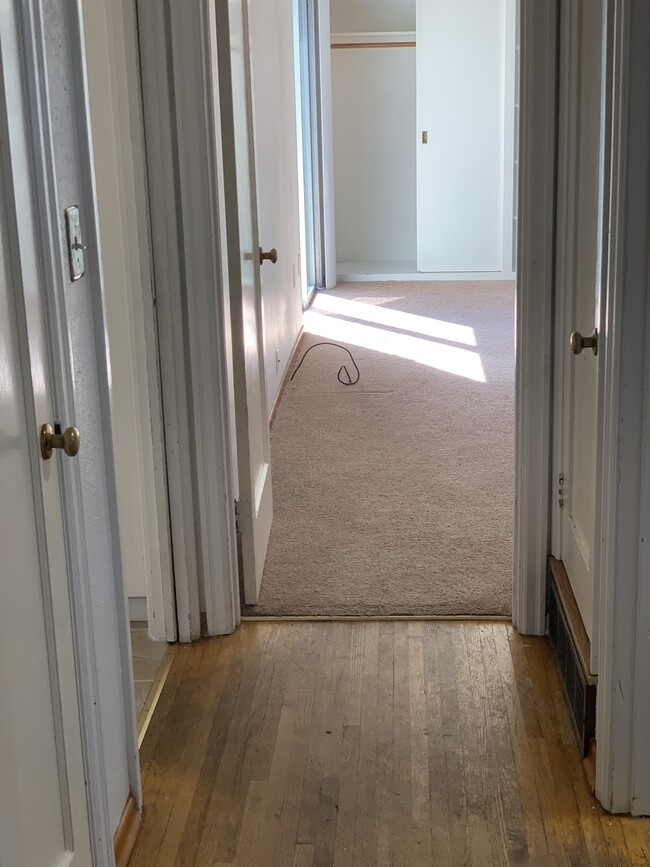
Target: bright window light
395 319
450 359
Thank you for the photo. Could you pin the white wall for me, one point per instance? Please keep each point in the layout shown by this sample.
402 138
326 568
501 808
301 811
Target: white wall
110 34
374 153
274 116
121 283
361 16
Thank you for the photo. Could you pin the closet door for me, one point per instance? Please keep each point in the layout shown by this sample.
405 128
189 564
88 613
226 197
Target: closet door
461 87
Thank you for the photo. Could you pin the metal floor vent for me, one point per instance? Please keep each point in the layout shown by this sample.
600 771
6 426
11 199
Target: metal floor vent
579 686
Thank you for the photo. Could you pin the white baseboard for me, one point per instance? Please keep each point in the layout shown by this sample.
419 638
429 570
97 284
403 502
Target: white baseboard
138 609
367 272
288 368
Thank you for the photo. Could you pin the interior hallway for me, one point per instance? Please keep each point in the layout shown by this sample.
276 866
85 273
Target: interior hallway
361 743
396 495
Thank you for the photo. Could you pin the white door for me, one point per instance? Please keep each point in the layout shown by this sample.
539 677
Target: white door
43 814
580 246
255 510
462 136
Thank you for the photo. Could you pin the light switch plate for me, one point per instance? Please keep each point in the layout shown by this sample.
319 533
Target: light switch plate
75 243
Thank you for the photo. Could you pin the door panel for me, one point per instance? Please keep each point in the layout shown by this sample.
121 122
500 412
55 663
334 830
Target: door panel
43 815
581 105
460 59
251 409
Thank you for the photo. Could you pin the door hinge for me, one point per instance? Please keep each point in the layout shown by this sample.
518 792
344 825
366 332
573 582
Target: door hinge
560 490
237 515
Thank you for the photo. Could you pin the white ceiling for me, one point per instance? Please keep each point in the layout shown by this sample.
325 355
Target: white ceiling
372 16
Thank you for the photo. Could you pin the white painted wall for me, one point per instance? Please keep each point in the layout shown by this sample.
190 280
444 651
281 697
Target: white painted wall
274 117
110 36
373 91
123 288
368 16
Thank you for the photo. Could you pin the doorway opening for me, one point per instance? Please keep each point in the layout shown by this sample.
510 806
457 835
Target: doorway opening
393 440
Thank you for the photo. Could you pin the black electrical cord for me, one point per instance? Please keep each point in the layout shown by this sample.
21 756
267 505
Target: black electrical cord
342 370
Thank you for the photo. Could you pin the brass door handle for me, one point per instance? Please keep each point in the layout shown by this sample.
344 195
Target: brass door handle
578 342
69 441
268 256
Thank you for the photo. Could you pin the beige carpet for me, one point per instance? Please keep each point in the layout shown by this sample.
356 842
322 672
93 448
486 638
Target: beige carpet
395 495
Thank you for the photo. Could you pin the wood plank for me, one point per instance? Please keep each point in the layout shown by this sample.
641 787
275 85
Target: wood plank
439 780
535 835
420 781
384 747
507 815
304 855
457 821
365 829
311 785
375 744
219 802
402 752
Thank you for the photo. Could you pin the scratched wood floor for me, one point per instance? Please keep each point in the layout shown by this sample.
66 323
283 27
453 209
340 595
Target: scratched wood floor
302 744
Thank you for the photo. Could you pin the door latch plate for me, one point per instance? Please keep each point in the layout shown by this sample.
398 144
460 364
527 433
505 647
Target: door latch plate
76 246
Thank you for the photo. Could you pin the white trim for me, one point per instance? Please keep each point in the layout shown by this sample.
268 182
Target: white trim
623 765
509 166
298 9
188 238
372 38
535 266
167 273
610 100
565 222
211 330
378 272
159 580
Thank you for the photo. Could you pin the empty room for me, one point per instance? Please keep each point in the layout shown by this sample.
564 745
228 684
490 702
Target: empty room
392 440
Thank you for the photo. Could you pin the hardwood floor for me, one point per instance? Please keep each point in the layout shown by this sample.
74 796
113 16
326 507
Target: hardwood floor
303 744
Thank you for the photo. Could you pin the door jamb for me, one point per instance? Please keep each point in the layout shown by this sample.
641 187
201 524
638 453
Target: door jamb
534 316
325 135
183 141
566 132
161 602
623 698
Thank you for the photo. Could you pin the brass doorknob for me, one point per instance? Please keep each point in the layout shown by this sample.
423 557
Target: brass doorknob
69 441
268 256
578 342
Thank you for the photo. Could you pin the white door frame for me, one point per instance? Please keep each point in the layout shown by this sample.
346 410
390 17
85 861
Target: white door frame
116 118
28 69
623 482
185 163
623 625
623 760
121 23
194 353
534 319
